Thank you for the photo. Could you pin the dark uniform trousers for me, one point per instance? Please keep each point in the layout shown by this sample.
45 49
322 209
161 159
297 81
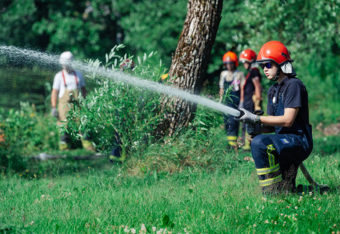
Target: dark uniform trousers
275 153
231 123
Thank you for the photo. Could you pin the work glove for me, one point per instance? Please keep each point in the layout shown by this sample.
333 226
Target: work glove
54 112
249 117
240 105
257 103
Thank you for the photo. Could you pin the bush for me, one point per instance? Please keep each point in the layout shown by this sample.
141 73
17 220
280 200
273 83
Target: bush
24 132
116 113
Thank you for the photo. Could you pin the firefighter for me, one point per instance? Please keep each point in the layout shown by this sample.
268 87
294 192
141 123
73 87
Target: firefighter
277 156
230 83
251 89
68 85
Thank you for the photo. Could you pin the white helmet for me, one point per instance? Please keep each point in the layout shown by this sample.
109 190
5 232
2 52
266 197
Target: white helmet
66 58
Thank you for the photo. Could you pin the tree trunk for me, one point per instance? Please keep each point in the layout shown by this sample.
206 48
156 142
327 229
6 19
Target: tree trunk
190 61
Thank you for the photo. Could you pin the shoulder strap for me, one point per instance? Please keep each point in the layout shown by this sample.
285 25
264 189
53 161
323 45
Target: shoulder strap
75 77
63 75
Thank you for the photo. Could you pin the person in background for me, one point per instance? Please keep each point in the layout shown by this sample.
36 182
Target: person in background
277 156
68 85
251 90
230 83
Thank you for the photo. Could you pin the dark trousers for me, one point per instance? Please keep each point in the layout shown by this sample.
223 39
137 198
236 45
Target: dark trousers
275 153
231 124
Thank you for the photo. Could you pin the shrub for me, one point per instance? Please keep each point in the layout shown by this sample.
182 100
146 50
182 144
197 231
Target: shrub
116 113
24 132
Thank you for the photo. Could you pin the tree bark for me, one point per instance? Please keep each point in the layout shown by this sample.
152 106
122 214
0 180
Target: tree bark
190 61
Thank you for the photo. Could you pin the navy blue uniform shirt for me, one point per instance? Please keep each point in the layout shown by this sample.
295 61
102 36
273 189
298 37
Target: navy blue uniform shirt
249 87
289 93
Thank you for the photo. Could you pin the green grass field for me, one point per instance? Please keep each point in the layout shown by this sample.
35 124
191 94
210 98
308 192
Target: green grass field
106 199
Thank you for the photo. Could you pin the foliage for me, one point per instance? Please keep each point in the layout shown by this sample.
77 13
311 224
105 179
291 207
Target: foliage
116 113
18 84
154 25
58 25
309 28
25 132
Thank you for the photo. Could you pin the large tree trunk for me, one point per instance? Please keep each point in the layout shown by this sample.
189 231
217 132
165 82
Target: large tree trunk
190 61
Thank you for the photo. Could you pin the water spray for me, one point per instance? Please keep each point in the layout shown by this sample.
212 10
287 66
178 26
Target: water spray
118 76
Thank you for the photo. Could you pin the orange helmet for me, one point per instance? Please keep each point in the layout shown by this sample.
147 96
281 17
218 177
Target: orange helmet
248 55
273 51
230 57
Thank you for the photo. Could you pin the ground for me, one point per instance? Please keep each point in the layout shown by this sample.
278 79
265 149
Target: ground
100 197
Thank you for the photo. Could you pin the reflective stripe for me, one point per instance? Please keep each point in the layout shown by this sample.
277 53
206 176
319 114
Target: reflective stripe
267 170
75 77
230 138
270 181
232 143
271 157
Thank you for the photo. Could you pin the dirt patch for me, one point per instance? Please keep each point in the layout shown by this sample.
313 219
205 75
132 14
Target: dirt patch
330 130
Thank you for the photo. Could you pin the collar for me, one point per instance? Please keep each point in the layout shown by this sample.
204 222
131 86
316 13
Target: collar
283 81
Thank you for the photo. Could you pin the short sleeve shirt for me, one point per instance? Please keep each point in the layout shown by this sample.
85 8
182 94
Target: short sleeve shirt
228 76
290 93
71 83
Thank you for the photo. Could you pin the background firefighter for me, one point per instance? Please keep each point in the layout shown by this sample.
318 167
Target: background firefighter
277 156
68 85
230 82
251 89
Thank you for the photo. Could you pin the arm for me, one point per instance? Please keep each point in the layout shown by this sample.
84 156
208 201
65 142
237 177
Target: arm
257 85
221 84
285 120
241 93
54 98
242 81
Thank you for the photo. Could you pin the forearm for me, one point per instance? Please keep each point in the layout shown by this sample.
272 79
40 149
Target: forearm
54 97
280 121
221 91
258 94
241 95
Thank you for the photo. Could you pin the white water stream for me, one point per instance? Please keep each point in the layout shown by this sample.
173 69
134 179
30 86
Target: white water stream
40 58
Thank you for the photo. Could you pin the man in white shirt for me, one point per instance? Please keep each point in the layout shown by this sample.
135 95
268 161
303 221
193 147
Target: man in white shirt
68 85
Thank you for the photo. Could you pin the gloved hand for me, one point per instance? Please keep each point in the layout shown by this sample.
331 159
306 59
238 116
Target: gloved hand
54 112
257 103
249 117
240 105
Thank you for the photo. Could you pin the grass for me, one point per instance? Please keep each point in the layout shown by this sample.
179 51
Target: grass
109 200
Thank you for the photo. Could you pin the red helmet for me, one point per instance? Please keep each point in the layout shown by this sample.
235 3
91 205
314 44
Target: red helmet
273 51
230 57
248 55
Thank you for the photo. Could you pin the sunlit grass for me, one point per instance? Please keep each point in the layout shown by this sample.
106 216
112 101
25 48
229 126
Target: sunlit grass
109 200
